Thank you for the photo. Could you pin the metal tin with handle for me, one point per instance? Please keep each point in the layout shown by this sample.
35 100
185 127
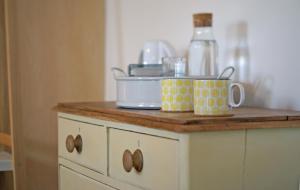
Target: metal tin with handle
137 92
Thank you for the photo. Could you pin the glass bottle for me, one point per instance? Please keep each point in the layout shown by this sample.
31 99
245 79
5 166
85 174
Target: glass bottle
203 47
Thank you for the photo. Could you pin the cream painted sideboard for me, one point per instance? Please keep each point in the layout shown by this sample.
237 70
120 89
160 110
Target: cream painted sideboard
105 148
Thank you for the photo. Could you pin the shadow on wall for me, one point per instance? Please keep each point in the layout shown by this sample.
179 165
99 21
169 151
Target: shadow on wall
260 92
237 54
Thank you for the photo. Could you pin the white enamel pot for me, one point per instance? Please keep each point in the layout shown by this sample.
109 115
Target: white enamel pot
137 92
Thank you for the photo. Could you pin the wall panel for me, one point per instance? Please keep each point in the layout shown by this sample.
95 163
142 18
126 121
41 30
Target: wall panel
4 123
56 55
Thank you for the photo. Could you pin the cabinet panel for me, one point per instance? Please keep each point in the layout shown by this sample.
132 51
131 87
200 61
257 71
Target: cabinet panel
160 160
216 160
272 159
70 180
94 144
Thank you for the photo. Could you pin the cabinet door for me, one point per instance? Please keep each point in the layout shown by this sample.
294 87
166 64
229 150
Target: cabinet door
70 180
272 159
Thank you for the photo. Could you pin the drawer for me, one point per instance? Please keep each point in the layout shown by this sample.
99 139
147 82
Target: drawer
70 180
94 144
159 160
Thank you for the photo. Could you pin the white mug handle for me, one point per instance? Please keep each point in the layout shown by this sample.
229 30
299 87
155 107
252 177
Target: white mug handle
231 97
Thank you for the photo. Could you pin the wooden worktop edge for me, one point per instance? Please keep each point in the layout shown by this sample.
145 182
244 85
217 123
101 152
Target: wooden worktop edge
79 109
117 113
183 128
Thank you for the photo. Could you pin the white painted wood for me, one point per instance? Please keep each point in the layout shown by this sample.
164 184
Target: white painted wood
272 159
216 160
70 180
94 149
96 175
184 160
160 171
5 161
264 159
118 125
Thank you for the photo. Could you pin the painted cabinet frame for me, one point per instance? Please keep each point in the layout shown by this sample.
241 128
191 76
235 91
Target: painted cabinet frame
222 159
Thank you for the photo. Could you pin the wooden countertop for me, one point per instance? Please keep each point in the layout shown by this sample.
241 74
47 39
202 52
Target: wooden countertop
243 118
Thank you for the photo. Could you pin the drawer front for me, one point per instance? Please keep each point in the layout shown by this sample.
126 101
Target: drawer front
159 160
94 144
70 180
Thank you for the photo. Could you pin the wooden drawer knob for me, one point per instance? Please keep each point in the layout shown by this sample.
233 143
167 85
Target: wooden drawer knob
78 143
138 161
127 161
134 160
70 143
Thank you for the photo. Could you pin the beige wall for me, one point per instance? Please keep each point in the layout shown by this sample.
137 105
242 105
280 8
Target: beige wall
56 55
263 35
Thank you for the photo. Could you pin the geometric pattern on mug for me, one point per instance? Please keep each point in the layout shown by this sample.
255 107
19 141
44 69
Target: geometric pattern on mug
177 95
210 97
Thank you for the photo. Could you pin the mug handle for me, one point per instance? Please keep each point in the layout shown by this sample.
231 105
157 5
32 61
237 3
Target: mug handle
242 95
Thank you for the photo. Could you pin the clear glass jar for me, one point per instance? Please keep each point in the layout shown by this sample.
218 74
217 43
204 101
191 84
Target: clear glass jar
203 48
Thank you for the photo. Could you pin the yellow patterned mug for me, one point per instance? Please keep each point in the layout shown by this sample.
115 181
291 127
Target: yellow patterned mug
215 97
177 94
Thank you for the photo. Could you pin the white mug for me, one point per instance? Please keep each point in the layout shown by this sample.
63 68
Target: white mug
155 50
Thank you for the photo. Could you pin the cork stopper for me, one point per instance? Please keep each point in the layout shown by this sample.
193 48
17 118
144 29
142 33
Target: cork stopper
202 19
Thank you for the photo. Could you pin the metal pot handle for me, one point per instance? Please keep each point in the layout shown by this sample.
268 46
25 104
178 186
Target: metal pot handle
230 71
117 72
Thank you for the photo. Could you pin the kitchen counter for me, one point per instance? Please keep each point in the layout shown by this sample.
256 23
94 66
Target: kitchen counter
104 147
242 118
